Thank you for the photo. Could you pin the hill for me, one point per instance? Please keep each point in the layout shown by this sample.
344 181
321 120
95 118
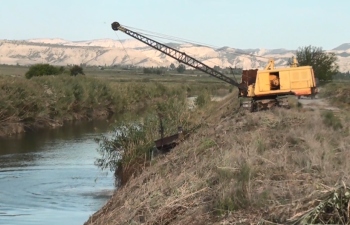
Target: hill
132 52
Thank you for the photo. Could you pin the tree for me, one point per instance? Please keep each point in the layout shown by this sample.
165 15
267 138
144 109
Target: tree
75 70
152 70
43 70
324 63
217 68
172 66
181 68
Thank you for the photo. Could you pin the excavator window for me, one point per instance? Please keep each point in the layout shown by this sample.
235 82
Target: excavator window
274 81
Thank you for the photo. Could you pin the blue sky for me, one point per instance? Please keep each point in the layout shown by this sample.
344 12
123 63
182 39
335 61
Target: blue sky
234 23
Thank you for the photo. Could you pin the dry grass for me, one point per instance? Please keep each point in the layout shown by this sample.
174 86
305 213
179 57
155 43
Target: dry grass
240 168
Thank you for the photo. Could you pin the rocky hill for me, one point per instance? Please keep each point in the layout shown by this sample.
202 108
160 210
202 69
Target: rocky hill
133 52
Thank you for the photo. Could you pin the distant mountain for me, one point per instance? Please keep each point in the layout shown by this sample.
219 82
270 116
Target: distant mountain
131 51
343 47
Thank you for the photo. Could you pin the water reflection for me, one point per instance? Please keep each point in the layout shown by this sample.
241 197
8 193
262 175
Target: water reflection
49 177
30 142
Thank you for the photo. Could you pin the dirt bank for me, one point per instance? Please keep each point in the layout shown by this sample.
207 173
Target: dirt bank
239 168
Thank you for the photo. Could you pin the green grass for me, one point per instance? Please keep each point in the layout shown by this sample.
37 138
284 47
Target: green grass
6 70
50 100
338 93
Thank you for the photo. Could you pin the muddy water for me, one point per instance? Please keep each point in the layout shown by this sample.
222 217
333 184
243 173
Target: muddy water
49 177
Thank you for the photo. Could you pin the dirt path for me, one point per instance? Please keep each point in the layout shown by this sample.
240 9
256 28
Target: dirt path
318 103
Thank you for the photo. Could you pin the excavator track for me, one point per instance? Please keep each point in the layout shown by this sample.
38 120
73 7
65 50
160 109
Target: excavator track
265 104
283 102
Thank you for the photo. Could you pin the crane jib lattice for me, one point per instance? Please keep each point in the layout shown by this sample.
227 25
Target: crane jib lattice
177 55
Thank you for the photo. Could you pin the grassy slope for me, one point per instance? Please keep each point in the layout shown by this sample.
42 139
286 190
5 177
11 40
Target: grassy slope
246 167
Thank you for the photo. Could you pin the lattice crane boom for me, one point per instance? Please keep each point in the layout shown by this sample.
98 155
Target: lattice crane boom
179 56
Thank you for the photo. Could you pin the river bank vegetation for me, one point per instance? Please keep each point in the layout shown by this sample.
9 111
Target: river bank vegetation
272 167
49 101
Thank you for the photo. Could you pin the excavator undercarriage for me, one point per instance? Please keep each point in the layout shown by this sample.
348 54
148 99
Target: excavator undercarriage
256 104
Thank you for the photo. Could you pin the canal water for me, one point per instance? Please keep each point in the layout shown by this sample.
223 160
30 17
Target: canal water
49 177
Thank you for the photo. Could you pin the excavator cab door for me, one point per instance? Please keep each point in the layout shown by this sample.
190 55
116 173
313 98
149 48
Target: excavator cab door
264 82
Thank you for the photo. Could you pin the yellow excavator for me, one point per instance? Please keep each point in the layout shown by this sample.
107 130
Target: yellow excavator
269 87
261 89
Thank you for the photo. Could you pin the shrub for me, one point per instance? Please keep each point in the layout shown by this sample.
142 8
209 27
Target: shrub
202 99
42 70
125 151
129 148
330 120
75 70
237 196
181 68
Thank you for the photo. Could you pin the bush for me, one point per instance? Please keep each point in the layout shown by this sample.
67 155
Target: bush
181 68
202 99
152 71
75 70
125 152
42 70
330 120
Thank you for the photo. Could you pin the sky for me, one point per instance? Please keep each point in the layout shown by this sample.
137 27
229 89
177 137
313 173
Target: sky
234 23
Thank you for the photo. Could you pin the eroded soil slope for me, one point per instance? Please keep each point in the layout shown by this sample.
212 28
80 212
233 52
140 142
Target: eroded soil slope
239 168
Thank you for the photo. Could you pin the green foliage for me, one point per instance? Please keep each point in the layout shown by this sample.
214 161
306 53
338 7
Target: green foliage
217 68
338 94
331 120
202 99
172 66
231 89
42 70
130 143
261 145
51 99
342 76
75 70
127 150
237 195
152 71
181 68
324 63
207 143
